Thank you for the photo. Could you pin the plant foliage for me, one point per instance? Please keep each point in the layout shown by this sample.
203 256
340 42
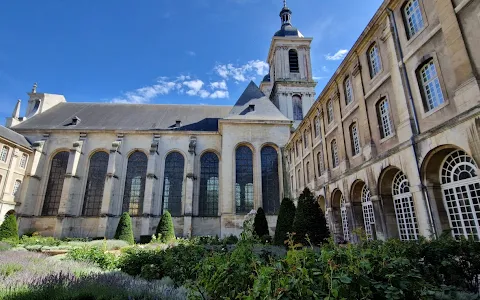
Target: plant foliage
284 221
124 230
165 230
260 224
9 229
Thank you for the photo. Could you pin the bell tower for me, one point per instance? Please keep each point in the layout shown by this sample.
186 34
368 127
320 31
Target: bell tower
290 83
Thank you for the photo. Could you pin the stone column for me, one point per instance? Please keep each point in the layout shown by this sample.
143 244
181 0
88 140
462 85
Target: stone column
257 179
188 207
71 198
380 228
149 223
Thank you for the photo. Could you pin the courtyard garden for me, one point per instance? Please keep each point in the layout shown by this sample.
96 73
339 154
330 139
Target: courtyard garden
300 261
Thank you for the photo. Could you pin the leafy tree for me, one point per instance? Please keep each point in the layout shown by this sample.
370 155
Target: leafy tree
309 220
260 224
9 229
284 221
124 229
165 230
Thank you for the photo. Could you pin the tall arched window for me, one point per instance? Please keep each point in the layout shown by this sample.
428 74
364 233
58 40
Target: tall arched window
243 180
374 62
461 194
317 127
334 149
320 165
347 84
432 94
173 183
97 172
344 214
135 184
307 171
384 121
293 60
208 199
270 180
404 208
4 153
305 139
55 184
413 17
297 108
330 116
299 179
368 215
354 138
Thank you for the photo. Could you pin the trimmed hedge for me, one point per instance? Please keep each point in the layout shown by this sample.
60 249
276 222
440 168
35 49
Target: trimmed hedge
285 220
9 228
124 229
165 230
309 220
260 224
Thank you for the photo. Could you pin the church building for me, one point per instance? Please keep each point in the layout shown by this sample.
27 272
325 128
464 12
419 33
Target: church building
391 145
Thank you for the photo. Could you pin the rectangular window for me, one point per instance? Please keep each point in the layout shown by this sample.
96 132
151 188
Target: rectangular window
384 119
413 17
320 163
432 91
330 111
317 126
308 171
4 154
305 139
16 187
348 91
374 60
23 161
355 139
335 161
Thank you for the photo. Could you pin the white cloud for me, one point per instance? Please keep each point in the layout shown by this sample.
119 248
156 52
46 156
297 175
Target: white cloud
325 69
203 94
219 95
195 86
337 56
221 85
191 53
147 93
244 72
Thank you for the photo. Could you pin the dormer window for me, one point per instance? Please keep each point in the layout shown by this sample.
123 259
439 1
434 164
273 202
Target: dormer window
293 59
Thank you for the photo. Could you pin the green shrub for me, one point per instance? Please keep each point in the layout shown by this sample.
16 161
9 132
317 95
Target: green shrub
284 221
9 268
309 220
165 230
260 224
5 246
124 229
39 240
9 229
104 260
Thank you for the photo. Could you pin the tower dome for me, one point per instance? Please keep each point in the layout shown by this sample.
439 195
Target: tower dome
287 28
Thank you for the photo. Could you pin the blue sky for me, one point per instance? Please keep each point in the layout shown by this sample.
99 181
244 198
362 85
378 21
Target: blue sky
160 51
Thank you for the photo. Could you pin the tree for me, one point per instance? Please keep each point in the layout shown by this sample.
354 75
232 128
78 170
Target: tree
284 221
124 229
309 220
165 230
9 229
260 224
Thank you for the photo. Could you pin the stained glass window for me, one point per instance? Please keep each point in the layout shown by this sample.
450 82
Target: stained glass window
173 183
97 172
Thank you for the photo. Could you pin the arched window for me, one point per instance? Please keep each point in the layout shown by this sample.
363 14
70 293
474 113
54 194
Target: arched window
461 194
173 183
334 149
135 184
412 16
299 179
368 214
404 208
305 139
384 121
432 94
354 139
16 187
297 108
374 62
23 161
344 214
347 84
55 184
208 199
320 165
4 153
298 149
330 116
270 180
97 173
307 171
293 60
317 126
243 179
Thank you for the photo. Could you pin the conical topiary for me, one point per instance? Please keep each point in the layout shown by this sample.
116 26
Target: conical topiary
165 230
124 229
284 221
260 224
9 229
309 219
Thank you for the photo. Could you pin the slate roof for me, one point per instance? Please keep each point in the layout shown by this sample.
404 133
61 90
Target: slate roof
288 30
116 116
14 137
264 110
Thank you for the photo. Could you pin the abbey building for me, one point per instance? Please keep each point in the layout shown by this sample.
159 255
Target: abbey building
391 145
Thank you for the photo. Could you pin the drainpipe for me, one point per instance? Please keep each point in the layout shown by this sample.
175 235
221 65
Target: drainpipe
415 126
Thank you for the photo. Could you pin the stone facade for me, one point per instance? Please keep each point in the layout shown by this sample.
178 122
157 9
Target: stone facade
395 184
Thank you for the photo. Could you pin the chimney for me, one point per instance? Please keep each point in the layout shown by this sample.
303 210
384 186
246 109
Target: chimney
251 107
178 124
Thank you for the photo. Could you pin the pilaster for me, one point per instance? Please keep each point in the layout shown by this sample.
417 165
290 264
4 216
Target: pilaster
151 180
31 184
188 206
71 199
112 181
